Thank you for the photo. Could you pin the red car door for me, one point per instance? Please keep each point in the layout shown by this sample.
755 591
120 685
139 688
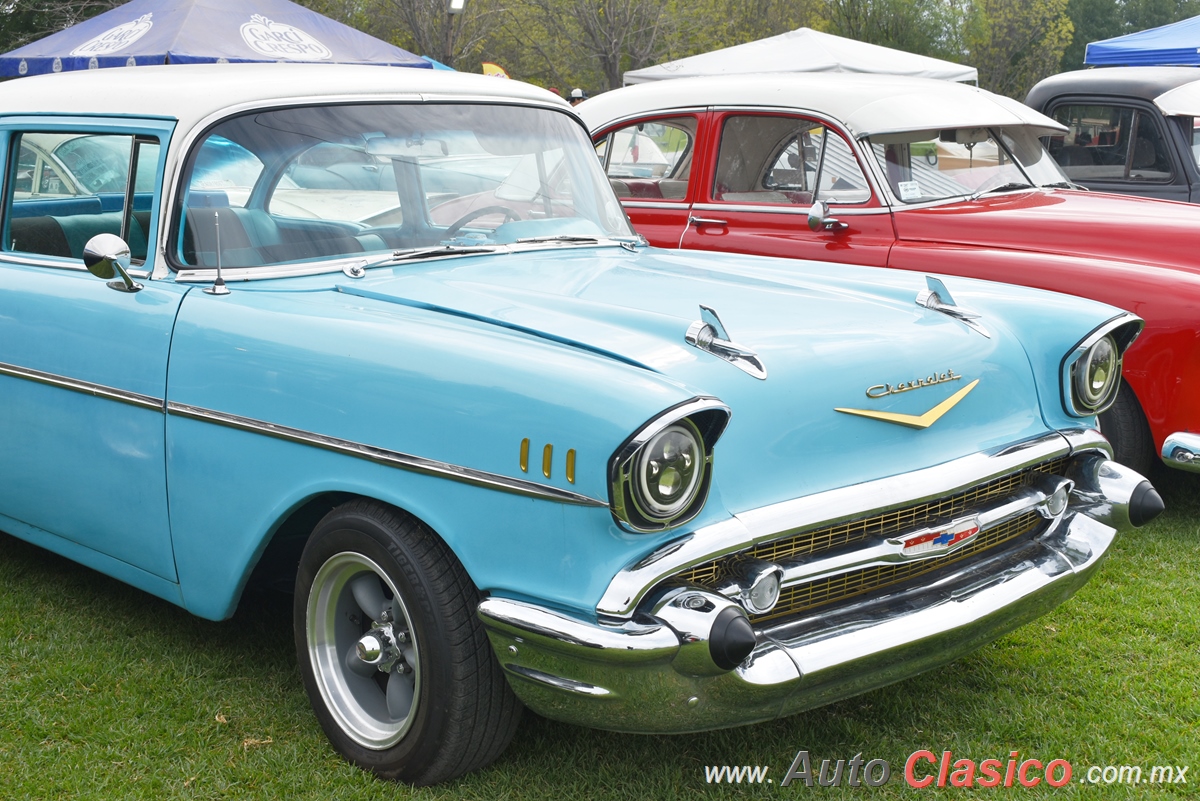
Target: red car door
650 163
762 173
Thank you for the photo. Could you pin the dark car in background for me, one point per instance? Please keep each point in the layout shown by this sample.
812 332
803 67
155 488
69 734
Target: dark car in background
1129 129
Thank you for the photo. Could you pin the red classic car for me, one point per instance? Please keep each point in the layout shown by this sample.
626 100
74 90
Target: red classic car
919 175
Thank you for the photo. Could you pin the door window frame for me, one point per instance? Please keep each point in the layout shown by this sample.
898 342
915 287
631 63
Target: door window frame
12 126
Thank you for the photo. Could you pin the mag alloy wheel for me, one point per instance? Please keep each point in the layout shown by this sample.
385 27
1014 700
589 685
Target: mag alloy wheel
363 650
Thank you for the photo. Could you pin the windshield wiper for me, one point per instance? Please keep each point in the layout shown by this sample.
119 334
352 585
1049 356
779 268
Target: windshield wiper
1009 187
629 243
567 238
429 253
1066 185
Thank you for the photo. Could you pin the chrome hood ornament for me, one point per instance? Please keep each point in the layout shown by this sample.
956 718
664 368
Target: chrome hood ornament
709 335
938 298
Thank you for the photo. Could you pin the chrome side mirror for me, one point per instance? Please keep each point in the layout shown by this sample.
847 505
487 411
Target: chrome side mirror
819 219
107 255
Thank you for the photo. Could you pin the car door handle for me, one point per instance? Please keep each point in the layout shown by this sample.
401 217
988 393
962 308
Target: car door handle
698 221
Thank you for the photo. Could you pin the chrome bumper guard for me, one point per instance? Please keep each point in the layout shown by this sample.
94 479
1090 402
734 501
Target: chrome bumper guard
1182 450
657 671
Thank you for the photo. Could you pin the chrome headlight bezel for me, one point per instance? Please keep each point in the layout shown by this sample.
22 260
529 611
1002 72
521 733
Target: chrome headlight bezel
702 419
1080 397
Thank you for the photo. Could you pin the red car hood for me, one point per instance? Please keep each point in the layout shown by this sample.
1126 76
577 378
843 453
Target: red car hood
1093 224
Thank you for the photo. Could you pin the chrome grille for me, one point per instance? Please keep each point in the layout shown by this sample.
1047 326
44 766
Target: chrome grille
847 585
873 528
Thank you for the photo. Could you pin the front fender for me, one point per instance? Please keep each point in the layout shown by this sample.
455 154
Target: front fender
403 381
1163 364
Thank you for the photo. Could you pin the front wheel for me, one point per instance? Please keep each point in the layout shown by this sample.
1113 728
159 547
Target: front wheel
397 666
1124 424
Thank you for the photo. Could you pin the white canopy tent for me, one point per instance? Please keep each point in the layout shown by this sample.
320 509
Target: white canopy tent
805 50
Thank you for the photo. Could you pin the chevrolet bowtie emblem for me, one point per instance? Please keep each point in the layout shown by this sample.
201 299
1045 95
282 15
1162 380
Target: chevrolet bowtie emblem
915 420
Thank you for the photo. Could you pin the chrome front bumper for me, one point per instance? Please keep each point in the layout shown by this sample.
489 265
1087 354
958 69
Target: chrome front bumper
658 668
629 677
1182 450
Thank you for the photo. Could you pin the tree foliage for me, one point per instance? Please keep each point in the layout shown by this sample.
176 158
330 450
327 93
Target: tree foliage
1016 43
25 21
918 27
592 43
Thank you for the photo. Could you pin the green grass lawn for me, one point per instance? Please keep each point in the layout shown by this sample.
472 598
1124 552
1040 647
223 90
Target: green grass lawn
108 693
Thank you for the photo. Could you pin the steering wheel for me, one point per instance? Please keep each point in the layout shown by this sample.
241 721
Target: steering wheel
475 214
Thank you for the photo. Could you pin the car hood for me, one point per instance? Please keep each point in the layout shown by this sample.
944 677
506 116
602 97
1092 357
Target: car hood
1075 223
824 340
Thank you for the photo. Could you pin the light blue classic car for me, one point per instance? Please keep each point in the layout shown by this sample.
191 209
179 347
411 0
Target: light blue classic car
387 336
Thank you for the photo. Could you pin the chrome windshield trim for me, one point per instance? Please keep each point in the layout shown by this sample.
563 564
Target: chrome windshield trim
337 264
755 526
82 387
208 275
403 461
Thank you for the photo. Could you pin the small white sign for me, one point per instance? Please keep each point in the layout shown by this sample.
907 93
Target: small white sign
116 39
280 41
909 190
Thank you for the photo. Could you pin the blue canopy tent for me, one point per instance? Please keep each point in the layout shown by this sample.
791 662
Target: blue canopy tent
1175 44
203 31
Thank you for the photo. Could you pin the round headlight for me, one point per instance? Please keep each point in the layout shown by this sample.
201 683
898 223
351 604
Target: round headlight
1097 373
669 470
660 476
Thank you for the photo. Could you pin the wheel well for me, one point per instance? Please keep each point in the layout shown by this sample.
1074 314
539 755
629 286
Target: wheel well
276 568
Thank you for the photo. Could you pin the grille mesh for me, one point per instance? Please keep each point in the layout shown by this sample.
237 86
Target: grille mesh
835 588
874 528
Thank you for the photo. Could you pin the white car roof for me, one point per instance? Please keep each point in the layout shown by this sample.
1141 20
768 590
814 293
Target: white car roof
866 104
190 93
1182 101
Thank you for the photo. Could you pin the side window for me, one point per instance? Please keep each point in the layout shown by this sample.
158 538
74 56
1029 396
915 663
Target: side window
66 187
842 180
650 160
1110 143
785 160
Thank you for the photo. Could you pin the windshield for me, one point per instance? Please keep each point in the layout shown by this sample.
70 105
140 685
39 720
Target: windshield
923 166
329 182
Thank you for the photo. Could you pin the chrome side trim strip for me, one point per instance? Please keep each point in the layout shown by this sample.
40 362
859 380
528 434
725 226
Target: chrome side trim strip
755 526
801 211
403 461
83 387
58 263
383 456
653 204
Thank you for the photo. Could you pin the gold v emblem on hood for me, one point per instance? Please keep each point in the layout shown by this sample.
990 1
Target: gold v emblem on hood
914 420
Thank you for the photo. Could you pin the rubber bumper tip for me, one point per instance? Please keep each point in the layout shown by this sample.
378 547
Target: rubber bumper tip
731 639
1145 504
